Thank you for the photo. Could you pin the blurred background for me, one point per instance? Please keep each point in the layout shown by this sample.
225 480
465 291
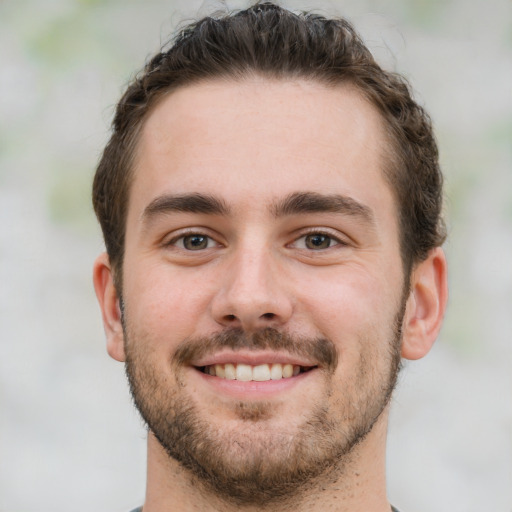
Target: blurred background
69 436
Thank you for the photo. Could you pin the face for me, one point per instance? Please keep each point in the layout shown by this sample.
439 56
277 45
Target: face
262 283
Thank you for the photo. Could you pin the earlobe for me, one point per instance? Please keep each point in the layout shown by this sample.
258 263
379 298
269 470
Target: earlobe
425 306
108 299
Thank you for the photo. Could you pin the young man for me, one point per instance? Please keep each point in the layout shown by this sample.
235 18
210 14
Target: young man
270 201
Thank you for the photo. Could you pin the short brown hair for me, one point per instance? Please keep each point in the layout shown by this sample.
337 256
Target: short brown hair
273 42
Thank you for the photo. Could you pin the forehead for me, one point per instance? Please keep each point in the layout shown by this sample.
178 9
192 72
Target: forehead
254 140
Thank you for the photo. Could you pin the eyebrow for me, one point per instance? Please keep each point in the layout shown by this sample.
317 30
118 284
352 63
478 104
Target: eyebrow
190 203
314 202
295 204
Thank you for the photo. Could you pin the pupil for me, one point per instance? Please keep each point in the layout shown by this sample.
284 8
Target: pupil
318 241
195 242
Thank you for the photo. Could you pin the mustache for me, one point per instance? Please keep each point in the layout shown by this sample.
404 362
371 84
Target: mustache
320 350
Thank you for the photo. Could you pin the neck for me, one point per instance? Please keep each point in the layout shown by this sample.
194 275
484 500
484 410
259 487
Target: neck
358 484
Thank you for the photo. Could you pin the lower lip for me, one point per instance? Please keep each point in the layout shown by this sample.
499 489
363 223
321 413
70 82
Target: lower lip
253 389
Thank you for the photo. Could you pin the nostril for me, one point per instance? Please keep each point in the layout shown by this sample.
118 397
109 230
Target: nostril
230 317
268 316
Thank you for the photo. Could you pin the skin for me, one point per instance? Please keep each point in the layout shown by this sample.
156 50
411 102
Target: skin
252 145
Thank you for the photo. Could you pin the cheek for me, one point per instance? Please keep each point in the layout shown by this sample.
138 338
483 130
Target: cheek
348 303
165 303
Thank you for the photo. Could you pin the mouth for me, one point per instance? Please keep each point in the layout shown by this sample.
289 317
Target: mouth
257 373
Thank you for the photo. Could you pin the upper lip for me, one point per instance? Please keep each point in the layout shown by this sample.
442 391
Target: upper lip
252 358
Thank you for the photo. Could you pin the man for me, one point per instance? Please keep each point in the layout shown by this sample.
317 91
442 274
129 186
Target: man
271 206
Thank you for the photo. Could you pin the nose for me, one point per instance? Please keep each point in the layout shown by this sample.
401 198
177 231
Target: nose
253 294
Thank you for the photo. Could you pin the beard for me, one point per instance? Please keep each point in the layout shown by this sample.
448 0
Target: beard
249 461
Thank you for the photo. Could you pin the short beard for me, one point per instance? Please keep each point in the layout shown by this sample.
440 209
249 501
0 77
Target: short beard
254 464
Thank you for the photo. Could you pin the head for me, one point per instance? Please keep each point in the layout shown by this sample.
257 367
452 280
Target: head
272 42
270 200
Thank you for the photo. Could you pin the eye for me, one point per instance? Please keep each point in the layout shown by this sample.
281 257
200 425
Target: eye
194 242
316 241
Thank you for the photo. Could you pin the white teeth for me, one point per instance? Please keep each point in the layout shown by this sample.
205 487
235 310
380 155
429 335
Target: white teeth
243 372
276 372
287 371
258 373
230 371
261 372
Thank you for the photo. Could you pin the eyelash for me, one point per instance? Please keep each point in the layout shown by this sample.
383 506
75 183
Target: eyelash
174 241
337 241
320 233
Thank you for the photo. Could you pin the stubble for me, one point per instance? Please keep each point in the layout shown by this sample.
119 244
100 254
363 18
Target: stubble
250 462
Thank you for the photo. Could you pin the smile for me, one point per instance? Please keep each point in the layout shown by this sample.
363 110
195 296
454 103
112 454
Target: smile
258 373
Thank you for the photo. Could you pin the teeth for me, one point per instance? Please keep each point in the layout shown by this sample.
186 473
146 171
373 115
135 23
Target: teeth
276 372
230 371
259 373
287 371
243 372
220 371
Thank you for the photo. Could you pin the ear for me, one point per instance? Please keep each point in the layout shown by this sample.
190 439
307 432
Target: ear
426 305
110 308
